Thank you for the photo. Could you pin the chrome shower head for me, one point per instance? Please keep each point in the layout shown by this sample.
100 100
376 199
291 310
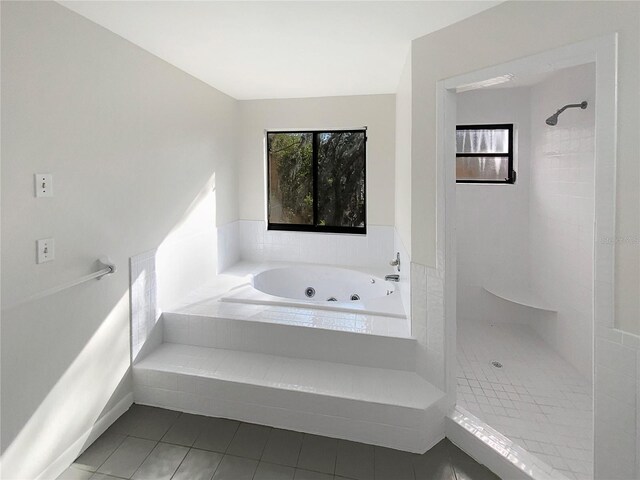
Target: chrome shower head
553 119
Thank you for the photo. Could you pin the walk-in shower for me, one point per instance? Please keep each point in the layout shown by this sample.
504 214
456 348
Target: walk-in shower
553 119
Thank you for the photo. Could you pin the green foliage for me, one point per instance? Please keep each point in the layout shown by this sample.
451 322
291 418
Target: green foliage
291 177
341 179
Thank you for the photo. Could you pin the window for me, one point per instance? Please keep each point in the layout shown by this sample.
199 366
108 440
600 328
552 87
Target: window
484 154
316 181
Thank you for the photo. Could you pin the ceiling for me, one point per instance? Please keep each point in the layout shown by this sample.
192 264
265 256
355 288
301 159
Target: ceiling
270 49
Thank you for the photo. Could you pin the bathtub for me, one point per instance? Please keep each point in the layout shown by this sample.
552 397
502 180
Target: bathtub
320 287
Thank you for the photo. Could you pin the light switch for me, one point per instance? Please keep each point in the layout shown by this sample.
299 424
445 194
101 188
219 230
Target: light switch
44 184
45 250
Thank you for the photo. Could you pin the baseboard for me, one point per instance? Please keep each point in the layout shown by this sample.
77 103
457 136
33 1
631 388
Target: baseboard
61 463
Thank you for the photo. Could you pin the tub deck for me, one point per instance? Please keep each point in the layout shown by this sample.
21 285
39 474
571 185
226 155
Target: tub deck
216 299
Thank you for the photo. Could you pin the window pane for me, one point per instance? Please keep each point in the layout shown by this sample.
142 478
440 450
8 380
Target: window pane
341 183
290 178
482 168
482 141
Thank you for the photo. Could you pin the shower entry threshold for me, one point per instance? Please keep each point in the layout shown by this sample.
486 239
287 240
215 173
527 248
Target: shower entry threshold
491 448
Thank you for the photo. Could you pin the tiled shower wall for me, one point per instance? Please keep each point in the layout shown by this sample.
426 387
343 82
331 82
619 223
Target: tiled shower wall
492 221
375 249
617 404
562 212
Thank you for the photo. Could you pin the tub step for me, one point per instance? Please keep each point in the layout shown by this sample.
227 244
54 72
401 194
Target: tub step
386 407
290 340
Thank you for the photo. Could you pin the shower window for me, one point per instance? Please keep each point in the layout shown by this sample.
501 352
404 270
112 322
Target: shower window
316 181
484 154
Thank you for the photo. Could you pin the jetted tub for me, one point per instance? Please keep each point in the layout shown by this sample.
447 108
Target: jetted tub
321 287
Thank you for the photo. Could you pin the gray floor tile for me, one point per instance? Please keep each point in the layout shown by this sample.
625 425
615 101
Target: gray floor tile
162 462
302 474
216 434
249 441
283 447
99 451
393 464
270 471
145 422
354 460
316 457
198 465
318 454
127 457
434 470
436 463
466 468
185 430
75 473
235 468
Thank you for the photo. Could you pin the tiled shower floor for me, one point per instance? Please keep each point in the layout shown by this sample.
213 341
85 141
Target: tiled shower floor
537 399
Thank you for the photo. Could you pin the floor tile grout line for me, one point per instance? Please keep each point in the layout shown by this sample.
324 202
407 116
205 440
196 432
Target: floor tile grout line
154 447
108 456
145 459
299 451
181 461
217 466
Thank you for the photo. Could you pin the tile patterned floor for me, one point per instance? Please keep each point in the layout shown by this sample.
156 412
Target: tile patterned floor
149 443
537 399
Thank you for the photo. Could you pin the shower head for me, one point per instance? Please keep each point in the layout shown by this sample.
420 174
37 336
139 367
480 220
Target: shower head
553 119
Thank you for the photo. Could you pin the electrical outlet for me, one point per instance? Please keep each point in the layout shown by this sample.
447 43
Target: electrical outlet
44 184
45 250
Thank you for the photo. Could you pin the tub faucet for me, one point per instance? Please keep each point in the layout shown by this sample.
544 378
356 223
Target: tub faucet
396 262
392 278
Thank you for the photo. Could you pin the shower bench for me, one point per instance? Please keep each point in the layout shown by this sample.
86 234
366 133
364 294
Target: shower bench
526 298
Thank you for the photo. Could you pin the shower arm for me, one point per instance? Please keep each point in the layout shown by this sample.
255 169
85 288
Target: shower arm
582 105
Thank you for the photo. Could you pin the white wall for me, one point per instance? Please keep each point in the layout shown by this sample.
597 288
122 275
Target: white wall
492 221
562 212
138 150
403 158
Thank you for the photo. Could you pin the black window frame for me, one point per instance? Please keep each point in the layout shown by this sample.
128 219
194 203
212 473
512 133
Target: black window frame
511 179
294 227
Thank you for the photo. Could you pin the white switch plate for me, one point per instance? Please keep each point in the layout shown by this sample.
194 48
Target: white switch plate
44 184
45 250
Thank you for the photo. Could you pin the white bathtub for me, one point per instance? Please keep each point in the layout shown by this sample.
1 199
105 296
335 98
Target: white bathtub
321 287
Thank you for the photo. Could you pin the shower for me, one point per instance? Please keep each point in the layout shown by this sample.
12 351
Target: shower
553 119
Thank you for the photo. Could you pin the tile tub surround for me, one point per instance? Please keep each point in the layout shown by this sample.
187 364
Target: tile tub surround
547 410
375 249
144 299
205 300
342 374
154 443
391 408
